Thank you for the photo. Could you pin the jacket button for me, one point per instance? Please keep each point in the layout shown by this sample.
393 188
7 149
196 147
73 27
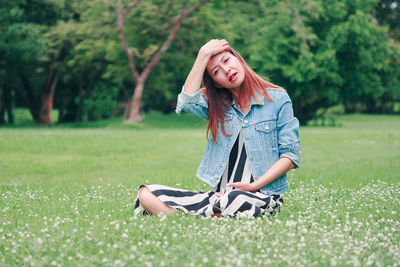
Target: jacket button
247 137
246 121
251 157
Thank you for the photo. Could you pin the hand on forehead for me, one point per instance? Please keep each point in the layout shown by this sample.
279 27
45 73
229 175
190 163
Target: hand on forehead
216 59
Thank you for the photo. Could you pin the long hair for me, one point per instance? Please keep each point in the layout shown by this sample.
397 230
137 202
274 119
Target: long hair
219 99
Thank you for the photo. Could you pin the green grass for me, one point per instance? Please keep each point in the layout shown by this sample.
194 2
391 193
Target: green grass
67 194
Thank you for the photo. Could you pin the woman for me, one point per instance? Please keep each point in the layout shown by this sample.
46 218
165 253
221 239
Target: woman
254 140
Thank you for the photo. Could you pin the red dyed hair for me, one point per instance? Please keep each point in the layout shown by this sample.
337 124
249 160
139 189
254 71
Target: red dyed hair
219 99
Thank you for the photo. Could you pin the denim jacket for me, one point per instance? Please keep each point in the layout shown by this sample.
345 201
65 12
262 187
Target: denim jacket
270 132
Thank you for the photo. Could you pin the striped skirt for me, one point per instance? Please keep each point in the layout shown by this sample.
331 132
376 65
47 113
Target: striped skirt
233 203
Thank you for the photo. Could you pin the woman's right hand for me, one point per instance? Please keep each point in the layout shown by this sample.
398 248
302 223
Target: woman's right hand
220 194
213 47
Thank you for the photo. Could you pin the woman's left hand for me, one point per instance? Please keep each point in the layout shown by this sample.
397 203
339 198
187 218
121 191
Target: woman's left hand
243 186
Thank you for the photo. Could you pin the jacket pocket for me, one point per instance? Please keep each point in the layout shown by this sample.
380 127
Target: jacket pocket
267 133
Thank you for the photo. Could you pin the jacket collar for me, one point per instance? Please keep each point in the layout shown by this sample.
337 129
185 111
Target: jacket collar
260 99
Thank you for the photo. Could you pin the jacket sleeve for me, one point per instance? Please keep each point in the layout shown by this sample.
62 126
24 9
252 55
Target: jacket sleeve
288 130
196 104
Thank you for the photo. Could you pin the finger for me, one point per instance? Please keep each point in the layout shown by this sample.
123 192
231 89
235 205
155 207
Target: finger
233 185
218 195
221 42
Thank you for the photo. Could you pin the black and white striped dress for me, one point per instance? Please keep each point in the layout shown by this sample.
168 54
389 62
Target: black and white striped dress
231 204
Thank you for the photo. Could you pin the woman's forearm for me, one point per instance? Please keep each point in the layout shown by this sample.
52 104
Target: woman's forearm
279 168
193 80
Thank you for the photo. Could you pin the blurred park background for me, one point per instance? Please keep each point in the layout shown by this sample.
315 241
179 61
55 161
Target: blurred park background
68 56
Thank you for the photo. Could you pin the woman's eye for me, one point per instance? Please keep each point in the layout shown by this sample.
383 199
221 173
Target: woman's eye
215 73
226 60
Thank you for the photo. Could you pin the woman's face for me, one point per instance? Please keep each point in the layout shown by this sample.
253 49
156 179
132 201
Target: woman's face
226 71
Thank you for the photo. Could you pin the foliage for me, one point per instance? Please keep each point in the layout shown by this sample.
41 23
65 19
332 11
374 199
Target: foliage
325 53
387 12
151 21
100 104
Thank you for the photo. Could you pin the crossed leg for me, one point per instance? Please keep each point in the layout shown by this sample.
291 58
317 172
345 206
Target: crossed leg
155 206
152 204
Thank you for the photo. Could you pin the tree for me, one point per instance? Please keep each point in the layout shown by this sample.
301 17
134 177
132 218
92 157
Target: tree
10 15
387 12
288 45
324 53
155 52
30 71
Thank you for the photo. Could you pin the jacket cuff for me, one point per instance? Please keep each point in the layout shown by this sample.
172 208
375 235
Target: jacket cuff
185 98
292 152
293 157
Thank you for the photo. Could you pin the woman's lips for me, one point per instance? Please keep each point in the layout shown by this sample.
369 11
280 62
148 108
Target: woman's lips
233 76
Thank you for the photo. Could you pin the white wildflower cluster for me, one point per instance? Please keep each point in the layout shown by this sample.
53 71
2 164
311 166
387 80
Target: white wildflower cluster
318 225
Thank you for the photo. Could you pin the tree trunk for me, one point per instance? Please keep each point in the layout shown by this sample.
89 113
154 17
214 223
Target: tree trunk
2 107
8 106
133 107
78 115
31 97
61 110
47 104
348 108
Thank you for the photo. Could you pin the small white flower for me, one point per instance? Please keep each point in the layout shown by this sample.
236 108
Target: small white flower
28 258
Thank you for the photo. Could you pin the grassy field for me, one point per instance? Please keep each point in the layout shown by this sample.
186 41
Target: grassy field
67 196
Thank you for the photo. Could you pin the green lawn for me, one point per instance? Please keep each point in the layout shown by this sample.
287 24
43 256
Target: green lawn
67 196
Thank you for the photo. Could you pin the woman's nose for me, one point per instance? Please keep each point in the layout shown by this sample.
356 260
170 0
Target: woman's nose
226 70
